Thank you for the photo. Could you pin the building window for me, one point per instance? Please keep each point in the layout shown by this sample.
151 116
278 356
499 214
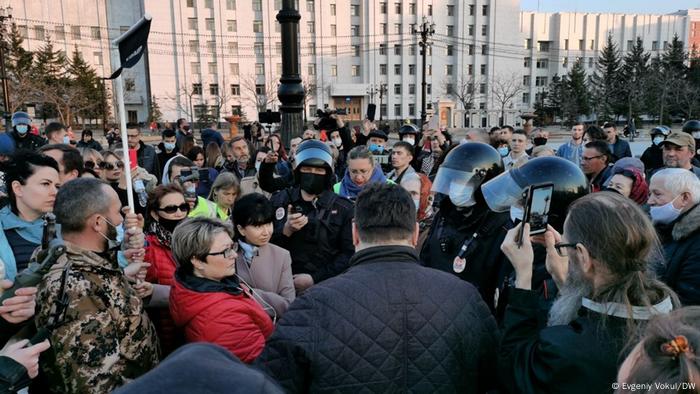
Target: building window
209 4
259 69
448 88
629 45
470 49
310 5
482 69
97 57
236 109
485 10
450 50
412 8
257 27
312 49
471 30
382 7
590 62
214 89
231 26
278 68
526 98
485 49
310 27
311 69
233 48
430 10
397 69
257 5
450 10
212 68
196 88
192 23
235 90
397 8
260 90
211 46
332 9
412 88
209 22
334 50
234 68
334 30
278 4
278 47
430 69
194 46
397 49
397 28
397 110
383 28
356 50
355 10
654 45
592 44
382 49
450 30
74 31
470 69
355 30
448 69
429 89
543 46
411 69
382 69
190 3
382 110
471 10
231 5
196 68
334 71
526 80
259 49
412 50
527 62
565 62
484 30
39 33
355 71
482 88
411 110
397 88
542 63
540 81
581 45
60 33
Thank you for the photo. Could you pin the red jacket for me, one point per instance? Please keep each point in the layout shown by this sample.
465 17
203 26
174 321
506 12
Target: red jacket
234 321
162 272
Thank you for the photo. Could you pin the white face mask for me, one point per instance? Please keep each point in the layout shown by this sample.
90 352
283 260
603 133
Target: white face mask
658 139
665 214
696 135
461 195
337 142
410 140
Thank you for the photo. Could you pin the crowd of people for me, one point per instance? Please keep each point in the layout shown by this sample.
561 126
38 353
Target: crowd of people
348 263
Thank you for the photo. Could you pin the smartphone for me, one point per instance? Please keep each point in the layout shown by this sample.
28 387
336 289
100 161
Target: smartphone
204 174
539 199
185 173
133 158
371 111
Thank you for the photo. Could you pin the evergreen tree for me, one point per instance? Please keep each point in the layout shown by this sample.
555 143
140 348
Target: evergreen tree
49 76
633 75
86 86
605 82
154 113
574 94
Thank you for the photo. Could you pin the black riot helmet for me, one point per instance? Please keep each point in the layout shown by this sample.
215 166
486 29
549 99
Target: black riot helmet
465 168
408 128
509 188
664 130
313 153
692 127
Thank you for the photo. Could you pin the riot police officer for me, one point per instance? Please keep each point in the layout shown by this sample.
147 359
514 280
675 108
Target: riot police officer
21 132
465 236
312 222
653 155
507 193
692 127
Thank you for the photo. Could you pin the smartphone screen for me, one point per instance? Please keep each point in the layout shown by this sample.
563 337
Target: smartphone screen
537 210
371 110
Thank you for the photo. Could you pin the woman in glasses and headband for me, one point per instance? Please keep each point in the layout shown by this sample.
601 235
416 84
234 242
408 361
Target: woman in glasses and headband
207 299
166 209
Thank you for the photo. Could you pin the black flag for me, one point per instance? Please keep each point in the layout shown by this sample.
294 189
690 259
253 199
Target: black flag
132 45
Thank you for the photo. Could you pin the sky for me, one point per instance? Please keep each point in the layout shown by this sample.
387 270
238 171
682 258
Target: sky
619 6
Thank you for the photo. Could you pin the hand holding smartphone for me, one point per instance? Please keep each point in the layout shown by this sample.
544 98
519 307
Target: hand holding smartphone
537 205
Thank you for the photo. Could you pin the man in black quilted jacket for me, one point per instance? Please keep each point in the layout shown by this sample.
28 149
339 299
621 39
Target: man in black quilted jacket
387 324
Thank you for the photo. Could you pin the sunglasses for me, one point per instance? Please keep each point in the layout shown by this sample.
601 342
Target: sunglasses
227 253
170 209
90 165
109 166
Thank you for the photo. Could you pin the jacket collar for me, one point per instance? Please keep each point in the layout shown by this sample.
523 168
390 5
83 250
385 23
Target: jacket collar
687 224
324 200
619 310
80 257
228 285
389 253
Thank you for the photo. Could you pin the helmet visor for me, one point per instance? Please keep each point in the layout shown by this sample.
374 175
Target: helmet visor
446 176
502 192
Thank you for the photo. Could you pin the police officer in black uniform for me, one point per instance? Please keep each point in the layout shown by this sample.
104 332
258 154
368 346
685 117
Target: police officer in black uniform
653 155
465 236
22 133
692 127
507 193
311 222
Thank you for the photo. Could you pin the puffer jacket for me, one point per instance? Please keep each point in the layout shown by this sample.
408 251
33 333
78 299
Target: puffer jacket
681 243
387 325
220 313
162 272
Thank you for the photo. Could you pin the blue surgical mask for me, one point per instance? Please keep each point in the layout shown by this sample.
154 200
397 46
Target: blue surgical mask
169 146
658 140
22 128
66 139
461 195
417 204
503 151
376 148
665 214
257 166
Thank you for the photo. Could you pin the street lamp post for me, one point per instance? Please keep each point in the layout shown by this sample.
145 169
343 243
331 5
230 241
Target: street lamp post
427 29
5 14
371 92
291 91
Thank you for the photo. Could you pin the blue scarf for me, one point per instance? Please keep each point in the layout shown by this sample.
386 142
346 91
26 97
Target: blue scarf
31 231
349 189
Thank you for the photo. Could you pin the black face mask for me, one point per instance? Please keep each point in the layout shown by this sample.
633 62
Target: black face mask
169 224
186 128
313 183
539 141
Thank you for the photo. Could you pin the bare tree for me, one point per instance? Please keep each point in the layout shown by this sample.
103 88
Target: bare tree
505 88
310 87
259 95
182 101
465 91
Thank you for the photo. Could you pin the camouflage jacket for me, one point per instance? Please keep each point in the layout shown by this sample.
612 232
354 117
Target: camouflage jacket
106 338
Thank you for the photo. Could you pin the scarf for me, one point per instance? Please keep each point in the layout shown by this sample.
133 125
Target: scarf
427 164
349 189
164 236
249 251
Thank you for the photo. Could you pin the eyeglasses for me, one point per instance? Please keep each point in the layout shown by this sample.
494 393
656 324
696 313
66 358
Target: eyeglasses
109 166
584 158
227 253
561 248
89 164
170 209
